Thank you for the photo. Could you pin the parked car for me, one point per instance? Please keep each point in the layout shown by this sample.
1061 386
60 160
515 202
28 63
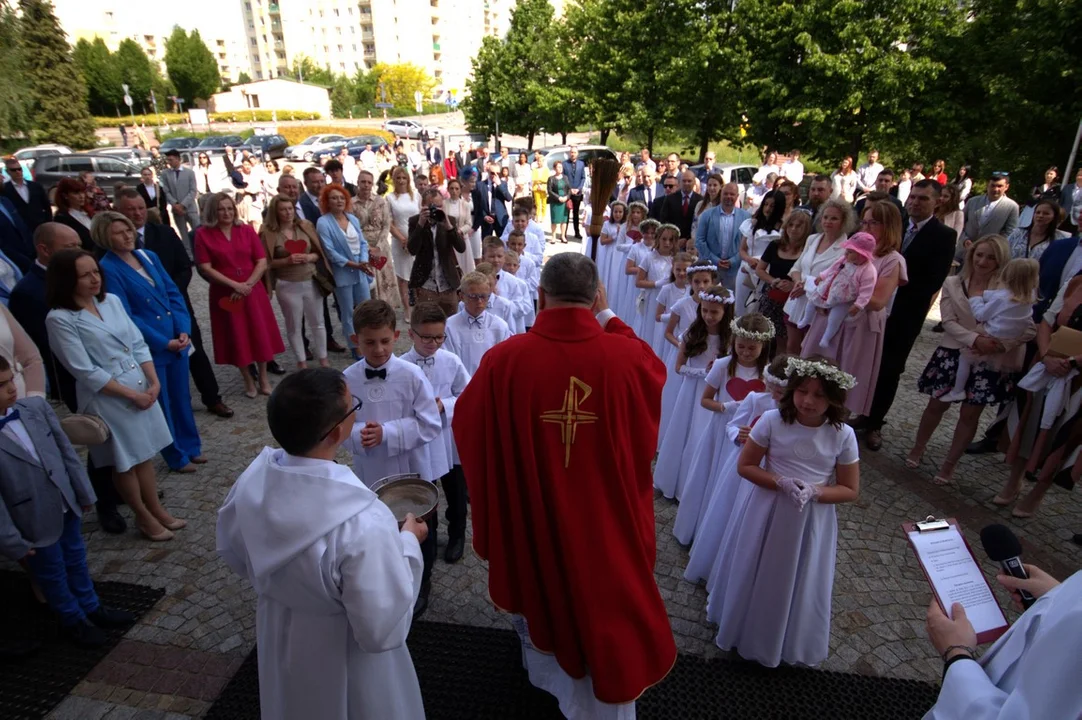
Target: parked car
409 129
273 147
216 145
30 155
108 170
587 153
740 174
355 146
185 142
306 149
135 156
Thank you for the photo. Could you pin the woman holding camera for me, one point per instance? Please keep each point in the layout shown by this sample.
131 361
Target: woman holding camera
433 240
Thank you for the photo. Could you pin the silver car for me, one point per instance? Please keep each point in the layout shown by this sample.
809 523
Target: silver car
309 148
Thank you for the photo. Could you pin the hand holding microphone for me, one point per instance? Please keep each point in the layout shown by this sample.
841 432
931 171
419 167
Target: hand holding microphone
1037 584
1002 546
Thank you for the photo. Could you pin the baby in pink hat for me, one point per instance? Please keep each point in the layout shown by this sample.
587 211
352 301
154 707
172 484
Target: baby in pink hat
845 287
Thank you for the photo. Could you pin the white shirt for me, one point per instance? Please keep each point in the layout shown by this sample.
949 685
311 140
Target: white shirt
353 239
152 192
404 405
793 170
1002 316
23 190
471 340
517 292
867 174
448 377
15 430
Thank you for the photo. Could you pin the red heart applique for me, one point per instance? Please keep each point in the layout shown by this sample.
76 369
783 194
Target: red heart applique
738 388
228 304
379 262
295 247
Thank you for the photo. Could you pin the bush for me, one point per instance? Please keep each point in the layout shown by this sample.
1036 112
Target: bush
296 134
262 116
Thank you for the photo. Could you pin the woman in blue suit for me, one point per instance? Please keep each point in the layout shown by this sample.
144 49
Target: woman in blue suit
94 338
340 232
155 304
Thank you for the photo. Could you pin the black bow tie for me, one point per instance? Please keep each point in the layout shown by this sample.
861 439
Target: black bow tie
370 373
13 415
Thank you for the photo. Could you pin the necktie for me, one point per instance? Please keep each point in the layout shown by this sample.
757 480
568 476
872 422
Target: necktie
685 204
909 235
430 360
369 373
649 196
475 321
140 240
176 174
13 415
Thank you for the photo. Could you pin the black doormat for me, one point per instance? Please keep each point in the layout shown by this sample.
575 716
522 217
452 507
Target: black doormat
32 686
472 673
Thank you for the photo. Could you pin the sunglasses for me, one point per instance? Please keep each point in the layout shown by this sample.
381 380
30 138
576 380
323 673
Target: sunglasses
669 187
1000 174
356 406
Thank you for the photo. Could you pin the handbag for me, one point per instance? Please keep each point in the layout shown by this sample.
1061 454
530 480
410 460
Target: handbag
324 277
1066 342
82 428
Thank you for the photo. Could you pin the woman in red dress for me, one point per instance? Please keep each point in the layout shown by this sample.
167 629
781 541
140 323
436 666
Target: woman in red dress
230 257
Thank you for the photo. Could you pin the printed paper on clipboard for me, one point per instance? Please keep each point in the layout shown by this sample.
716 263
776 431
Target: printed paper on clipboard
951 569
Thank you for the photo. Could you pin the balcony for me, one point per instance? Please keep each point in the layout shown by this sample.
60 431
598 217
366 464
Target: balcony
273 7
435 47
367 35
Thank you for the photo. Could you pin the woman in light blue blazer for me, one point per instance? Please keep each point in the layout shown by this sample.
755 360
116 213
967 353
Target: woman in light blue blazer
93 337
340 232
152 300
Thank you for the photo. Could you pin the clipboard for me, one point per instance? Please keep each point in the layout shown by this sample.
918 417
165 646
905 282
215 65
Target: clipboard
994 620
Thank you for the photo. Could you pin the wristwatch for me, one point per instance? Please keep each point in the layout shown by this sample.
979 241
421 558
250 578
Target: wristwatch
1073 362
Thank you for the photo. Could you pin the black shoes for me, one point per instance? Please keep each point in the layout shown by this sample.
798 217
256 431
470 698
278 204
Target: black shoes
111 520
873 440
333 346
111 618
455 548
982 446
86 634
220 409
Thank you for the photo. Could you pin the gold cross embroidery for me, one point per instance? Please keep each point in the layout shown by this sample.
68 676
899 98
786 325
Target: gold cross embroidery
570 416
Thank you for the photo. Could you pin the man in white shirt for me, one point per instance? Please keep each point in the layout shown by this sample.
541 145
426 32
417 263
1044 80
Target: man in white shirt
1072 200
868 172
645 161
336 580
368 158
793 169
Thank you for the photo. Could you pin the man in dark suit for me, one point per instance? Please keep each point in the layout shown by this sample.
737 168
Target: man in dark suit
883 183
647 189
575 170
15 237
433 154
314 180
928 248
489 196
462 157
334 171
29 307
152 194
679 207
163 241
29 198
669 185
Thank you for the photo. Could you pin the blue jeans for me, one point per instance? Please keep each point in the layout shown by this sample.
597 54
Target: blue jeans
61 571
349 297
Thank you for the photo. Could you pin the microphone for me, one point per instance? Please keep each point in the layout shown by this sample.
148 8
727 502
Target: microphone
1002 546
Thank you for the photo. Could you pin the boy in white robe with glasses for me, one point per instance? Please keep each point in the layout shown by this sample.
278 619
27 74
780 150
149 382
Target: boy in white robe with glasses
336 580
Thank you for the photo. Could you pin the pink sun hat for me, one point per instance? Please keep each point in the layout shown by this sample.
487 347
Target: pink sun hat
861 243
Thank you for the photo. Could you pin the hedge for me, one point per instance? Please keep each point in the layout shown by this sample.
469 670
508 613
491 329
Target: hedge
178 119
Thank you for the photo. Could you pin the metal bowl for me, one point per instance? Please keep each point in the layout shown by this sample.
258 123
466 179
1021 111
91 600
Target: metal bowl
405 494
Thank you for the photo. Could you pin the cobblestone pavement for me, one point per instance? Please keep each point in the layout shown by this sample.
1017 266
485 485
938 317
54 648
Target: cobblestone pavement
176 660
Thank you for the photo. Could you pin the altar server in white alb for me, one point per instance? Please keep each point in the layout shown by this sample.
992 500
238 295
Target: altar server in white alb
398 417
1032 671
473 330
335 578
509 287
448 377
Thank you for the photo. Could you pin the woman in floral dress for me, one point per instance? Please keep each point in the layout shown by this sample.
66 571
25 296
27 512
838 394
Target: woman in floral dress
371 210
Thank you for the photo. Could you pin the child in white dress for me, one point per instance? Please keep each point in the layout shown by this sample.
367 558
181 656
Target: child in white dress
1005 312
636 255
613 232
844 288
676 290
776 565
724 395
703 343
621 283
653 274
681 314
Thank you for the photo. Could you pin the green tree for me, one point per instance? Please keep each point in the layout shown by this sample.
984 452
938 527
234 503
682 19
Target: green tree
101 74
306 70
191 66
365 86
56 90
343 96
135 69
243 78
14 89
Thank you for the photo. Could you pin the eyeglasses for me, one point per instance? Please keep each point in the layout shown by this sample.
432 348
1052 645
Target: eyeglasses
869 223
356 406
475 296
430 338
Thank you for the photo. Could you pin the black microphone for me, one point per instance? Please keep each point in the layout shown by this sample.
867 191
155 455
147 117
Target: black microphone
1003 547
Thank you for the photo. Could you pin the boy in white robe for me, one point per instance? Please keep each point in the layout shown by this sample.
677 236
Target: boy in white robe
448 377
399 417
508 286
336 579
498 305
531 230
473 329
511 269
528 270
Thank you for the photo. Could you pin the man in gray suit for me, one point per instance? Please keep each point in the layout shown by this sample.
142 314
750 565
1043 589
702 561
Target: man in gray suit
180 190
990 214
44 492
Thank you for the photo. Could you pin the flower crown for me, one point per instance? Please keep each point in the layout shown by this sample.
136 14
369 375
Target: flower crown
765 336
769 377
702 267
723 300
818 368
668 226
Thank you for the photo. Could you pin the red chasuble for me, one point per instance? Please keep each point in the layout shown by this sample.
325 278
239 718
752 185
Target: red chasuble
556 432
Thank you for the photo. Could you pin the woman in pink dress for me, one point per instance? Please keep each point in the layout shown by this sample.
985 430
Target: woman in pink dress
858 346
230 256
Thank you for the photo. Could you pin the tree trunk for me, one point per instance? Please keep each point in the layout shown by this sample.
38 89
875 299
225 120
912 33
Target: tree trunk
605 136
704 141
563 137
529 140
650 140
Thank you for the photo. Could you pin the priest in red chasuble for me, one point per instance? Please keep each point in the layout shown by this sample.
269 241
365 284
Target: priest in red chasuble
556 432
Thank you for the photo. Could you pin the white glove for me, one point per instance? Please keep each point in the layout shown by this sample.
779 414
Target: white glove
693 372
793 488
810 493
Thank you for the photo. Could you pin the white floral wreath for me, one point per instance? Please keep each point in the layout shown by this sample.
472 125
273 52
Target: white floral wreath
772 379
702 268
817 368
765 336
723 300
